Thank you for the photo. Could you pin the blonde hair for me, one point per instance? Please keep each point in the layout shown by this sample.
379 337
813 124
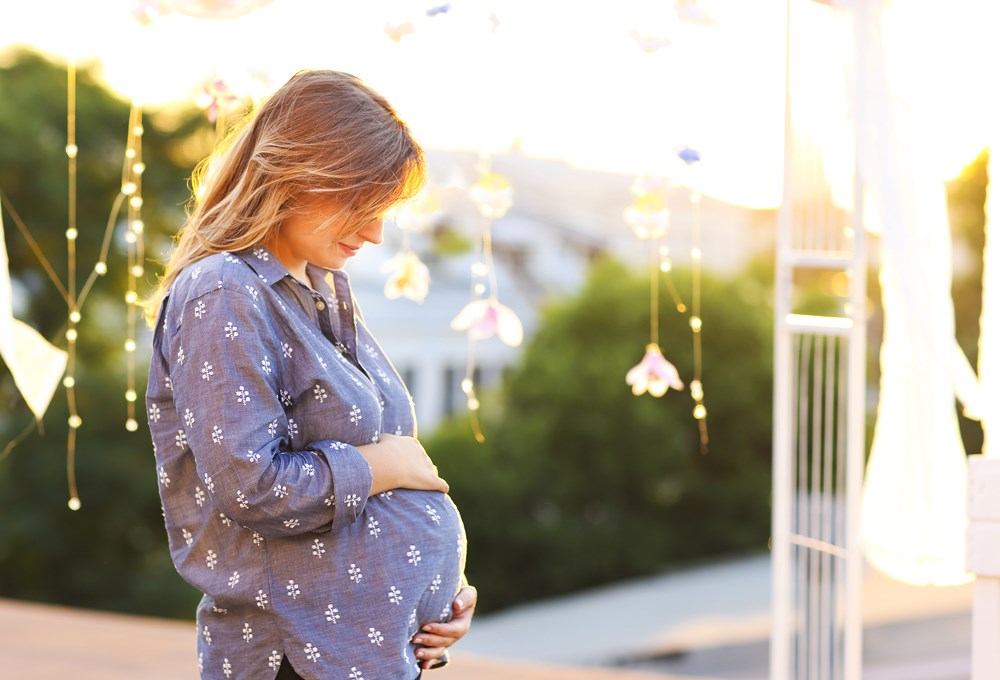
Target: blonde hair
322 132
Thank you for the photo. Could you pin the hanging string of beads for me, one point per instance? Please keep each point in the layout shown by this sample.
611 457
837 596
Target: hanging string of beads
69 381
133 168
649 218
690 157
132 188
485 316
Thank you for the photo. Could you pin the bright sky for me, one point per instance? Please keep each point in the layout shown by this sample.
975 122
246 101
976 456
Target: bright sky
563 77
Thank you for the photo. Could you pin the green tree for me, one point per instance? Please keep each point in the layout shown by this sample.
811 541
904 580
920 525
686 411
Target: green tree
111 554
581 483
966 209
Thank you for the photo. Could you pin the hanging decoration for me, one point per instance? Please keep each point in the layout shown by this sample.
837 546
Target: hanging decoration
49 364
649 42
69 382
131 191
148 11
395 30
649 218
34 363
132 170
484 316
410 277
218 99
692 11
690 157
653 374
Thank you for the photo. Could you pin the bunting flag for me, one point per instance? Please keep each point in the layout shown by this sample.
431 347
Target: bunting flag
36 365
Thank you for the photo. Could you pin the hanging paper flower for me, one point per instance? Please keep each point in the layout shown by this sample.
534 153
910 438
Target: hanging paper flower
147 11
689 155
213 9
650 184
649 43
648 216
417 214
691 11
485 318
216 96
397 31
410 277
492 194
439 9
653 374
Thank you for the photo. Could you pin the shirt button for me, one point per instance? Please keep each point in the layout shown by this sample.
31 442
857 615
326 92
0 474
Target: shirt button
320 305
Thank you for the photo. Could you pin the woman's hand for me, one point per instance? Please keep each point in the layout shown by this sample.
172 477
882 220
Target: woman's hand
435 638
401 463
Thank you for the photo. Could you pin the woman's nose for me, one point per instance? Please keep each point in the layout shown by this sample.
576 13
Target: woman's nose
372 232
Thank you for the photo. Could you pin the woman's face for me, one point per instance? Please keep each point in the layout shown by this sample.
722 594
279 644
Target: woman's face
310 235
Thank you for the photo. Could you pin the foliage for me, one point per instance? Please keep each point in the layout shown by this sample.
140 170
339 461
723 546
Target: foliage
111 554
966 207
579 482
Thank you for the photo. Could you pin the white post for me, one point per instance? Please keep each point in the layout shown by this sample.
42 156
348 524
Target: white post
781 512
983 536
984 561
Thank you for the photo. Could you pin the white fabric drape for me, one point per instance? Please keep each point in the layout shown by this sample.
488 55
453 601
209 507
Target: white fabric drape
913 507
36 365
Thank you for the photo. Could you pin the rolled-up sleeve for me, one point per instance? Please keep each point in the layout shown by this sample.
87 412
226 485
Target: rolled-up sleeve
223 360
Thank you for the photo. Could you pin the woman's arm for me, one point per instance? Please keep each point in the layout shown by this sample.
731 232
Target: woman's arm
223 365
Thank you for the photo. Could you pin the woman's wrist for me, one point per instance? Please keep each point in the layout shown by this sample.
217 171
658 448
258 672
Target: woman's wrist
384 471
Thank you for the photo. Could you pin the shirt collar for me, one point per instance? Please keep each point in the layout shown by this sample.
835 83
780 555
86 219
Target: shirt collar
270 270
264 264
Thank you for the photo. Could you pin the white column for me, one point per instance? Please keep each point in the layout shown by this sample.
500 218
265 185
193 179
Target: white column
984 561
983 534
429 397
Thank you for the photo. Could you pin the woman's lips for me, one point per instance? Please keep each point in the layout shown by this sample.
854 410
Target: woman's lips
348 250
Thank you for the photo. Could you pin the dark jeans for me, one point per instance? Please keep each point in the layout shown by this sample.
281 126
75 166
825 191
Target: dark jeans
286 672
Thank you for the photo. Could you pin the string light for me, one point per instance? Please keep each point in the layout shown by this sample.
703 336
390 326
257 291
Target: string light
484 316
71 334
130 187
700 412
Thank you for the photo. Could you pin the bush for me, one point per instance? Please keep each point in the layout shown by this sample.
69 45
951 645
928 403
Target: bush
579 482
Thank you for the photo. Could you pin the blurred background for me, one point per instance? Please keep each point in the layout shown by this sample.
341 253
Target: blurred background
584 503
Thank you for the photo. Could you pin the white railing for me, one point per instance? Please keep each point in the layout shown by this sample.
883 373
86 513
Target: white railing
819 411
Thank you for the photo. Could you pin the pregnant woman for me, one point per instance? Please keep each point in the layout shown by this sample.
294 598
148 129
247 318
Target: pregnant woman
296 496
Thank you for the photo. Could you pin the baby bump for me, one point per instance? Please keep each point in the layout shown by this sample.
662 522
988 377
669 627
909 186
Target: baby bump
419 540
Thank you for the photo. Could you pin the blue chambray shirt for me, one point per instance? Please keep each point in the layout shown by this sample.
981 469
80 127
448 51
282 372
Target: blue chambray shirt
260 390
